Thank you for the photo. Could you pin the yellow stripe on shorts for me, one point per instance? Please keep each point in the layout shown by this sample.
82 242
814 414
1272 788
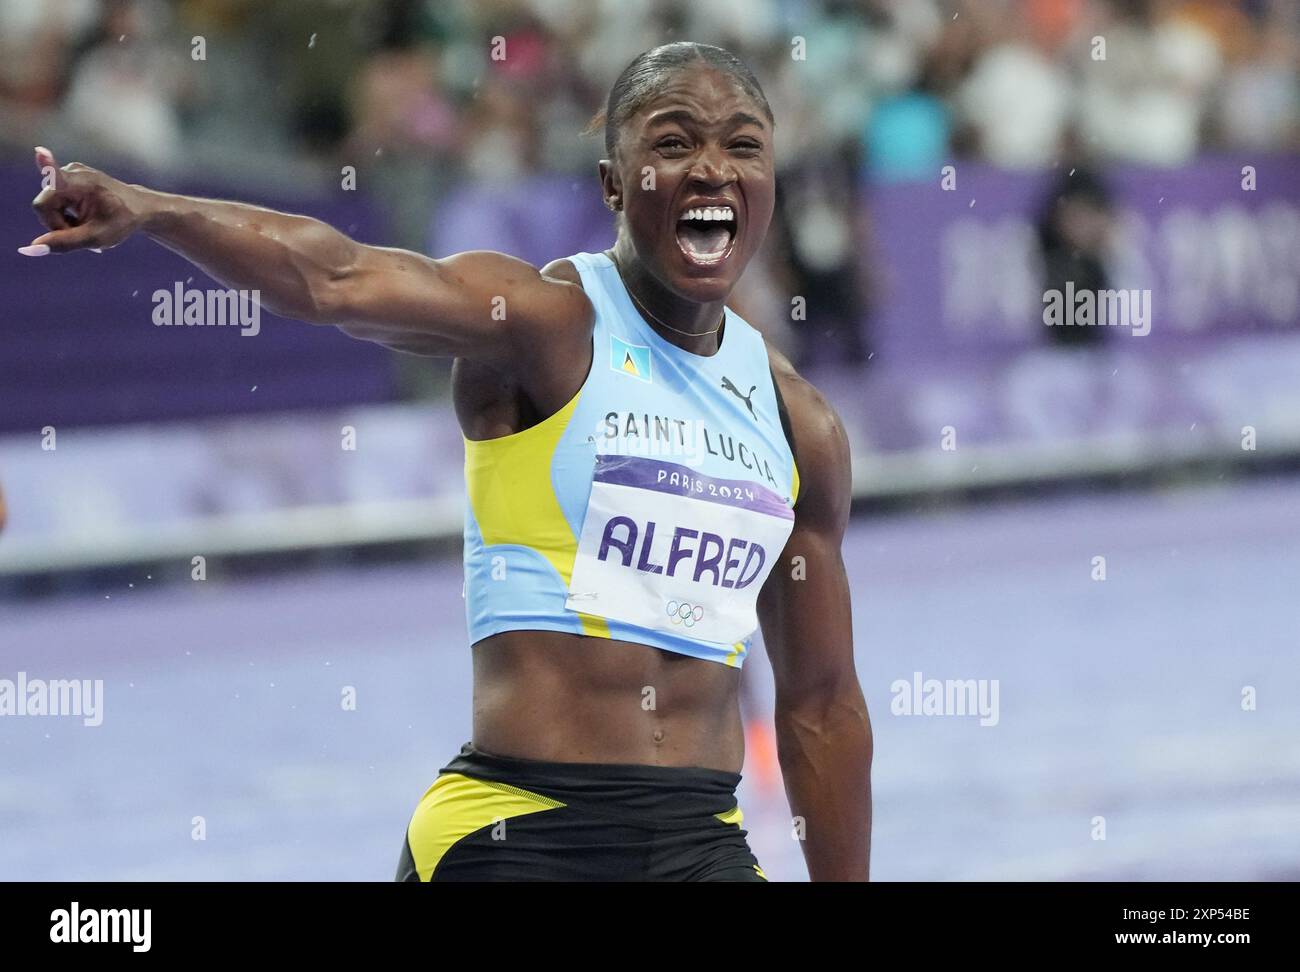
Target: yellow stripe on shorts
732 816
455 807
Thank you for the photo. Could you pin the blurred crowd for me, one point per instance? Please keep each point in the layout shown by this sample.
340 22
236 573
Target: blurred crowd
276 92
905 82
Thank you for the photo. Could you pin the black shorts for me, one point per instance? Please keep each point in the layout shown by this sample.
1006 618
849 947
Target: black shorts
489 818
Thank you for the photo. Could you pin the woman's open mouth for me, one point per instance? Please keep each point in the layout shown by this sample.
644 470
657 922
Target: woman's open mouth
706 234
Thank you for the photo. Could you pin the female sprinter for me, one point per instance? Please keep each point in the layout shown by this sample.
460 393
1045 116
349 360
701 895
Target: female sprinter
647 482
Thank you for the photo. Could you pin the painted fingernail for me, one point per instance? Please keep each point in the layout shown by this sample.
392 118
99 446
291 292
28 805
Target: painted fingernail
39 249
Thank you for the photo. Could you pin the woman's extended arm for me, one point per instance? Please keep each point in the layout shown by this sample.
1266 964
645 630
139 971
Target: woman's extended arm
481 305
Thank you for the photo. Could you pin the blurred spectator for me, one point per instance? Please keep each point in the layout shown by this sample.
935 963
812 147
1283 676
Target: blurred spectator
1258 104
1074 232
819 239
406 129
1017 101
36 41
124 87
1147 100
36 53
907 137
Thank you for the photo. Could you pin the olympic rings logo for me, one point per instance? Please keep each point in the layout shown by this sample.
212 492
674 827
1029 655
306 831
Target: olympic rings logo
685 613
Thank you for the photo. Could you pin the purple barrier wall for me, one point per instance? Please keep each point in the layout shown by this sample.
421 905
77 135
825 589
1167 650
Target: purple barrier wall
78 346
956 323
961 276
538 220
959 333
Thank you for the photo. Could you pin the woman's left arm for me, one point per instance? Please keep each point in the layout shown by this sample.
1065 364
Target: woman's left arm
823 730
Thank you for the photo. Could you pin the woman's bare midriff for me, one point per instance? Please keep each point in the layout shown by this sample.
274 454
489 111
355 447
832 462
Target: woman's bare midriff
565 698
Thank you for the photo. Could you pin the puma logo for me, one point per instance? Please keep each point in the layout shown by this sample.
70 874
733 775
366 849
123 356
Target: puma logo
726 383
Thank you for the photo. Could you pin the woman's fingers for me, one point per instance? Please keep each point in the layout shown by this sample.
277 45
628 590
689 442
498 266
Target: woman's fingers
51 177
61 241
56 208
53 208
63 210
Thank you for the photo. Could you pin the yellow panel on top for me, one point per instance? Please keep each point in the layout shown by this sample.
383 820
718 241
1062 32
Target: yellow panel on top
508 480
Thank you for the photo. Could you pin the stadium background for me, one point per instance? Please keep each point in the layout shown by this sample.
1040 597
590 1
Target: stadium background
1168 164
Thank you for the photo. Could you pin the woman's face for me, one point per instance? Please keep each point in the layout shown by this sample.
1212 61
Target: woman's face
693 173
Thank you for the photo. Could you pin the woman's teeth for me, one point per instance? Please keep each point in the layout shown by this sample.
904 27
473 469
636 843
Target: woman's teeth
709 213
705 234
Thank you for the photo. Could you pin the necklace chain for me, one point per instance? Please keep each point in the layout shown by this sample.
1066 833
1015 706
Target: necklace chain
645 310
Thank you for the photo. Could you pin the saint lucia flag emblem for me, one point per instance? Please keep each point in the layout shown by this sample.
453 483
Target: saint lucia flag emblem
630 359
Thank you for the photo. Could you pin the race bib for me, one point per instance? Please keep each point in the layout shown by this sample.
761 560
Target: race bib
664 547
